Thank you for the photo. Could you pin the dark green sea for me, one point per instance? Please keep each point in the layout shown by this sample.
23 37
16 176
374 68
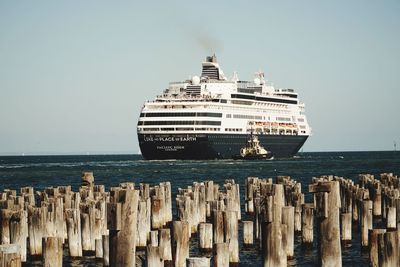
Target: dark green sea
110 170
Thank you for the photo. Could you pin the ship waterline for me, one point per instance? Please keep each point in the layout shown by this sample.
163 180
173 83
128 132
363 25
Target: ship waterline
212 146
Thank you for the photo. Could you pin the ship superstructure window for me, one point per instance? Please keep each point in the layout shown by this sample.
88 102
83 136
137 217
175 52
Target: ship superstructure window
193 90
179 123
300 119
210 71
181 114
233 129
283 119
266 99
249 117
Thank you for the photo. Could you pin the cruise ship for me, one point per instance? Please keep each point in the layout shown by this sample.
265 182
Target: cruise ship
211 117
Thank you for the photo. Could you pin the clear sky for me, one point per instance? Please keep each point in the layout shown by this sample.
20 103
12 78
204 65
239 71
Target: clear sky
74 74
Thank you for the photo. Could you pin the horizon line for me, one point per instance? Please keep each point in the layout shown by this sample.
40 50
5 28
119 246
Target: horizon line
16 154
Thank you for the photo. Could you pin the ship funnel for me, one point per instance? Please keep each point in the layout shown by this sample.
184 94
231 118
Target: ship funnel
211 69
212 59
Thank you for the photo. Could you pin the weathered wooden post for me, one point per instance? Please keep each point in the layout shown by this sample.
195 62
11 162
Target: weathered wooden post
373 246
181 233
391 222
248 239
144 222
74 232
5 216
366 221
221 255
19 231
87 179
153 257
206 236
274 252
288 220
165 246
198 262
377 198
36 229
388 249
122 219
328 205
218 226
10 255
232 235
52 251
106 250
99 248
307 233
346 227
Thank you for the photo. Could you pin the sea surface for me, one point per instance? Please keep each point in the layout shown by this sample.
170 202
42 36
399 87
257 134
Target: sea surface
110 170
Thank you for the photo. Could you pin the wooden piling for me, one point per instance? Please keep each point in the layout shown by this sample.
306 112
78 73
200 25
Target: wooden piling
248 239
5 216
391 222
10 255
288 220
205 236
36 229
122 219
154 238
232 235
307 233
218 226
106 250
346 227
274 253
197 262
328 194
181 242
52 251
165 246
74 232
19 231
366 221
154 257
388 249
373 246
221 255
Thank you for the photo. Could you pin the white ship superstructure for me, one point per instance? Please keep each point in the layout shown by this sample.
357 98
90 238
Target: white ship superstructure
211 117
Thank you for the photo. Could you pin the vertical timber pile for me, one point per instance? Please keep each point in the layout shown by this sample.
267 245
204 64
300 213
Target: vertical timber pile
52 251
10 255
121 222
307 233
328 205
221 255
205 236
198 262
74 232
181 234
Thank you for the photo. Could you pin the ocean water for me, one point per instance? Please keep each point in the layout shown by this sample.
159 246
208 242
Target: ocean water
110 170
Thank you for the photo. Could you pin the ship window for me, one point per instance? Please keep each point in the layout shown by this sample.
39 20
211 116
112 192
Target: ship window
182 114
179 123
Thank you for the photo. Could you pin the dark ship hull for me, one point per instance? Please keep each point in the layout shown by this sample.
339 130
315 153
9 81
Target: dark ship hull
213 146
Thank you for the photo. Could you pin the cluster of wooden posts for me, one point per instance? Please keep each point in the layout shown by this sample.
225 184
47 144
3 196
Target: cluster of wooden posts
113 225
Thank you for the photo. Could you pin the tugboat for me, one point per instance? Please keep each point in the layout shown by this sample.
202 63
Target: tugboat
253 150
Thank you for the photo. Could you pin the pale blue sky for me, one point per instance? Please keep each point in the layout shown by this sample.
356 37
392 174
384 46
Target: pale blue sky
74 74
